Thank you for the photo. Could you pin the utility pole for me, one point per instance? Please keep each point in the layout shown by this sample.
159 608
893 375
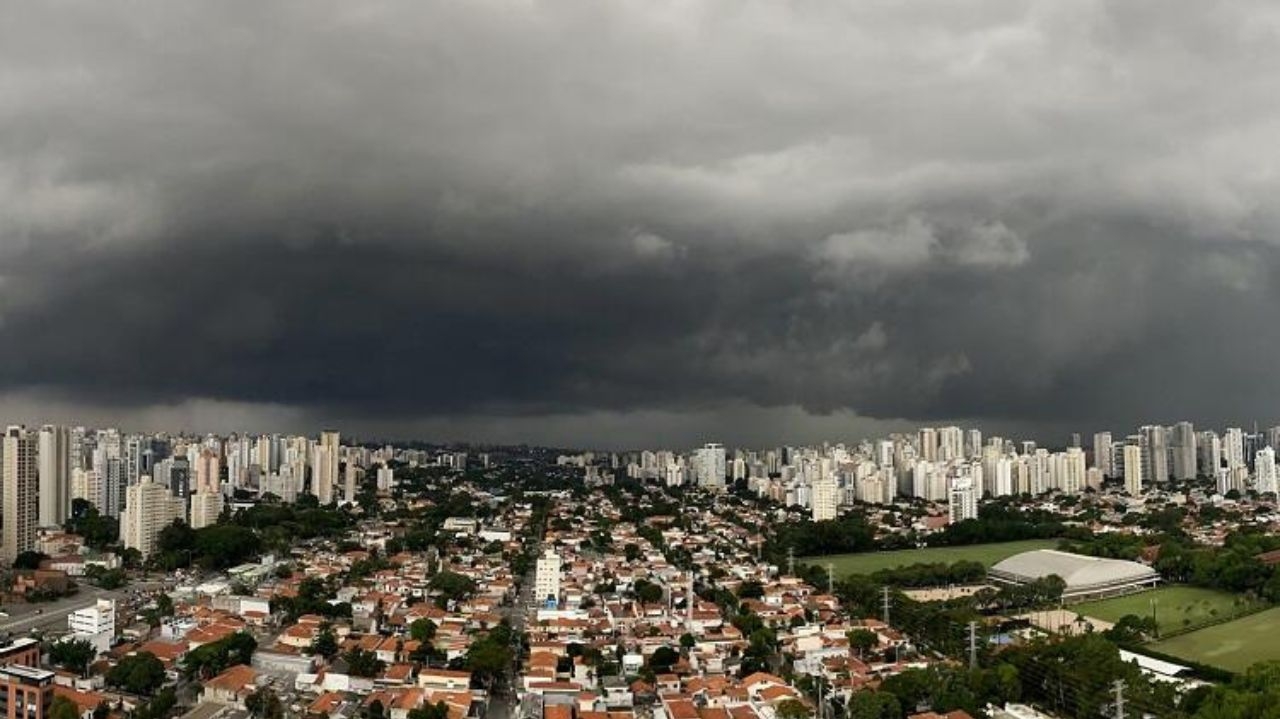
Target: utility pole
886 605
818 679
1118 687
973 645
831 578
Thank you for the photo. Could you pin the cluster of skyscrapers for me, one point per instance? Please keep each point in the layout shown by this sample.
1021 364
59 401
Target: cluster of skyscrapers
147 481
959 467
1236 460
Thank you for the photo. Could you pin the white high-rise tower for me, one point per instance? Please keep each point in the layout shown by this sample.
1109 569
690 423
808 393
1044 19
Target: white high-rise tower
54 469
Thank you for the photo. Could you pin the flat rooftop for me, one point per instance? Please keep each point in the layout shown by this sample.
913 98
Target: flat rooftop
17 670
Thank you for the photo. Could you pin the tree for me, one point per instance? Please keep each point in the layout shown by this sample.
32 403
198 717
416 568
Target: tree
74 655
98 530
361 663
264 703
131 558
325 643
225 545
862 640
439 710
647 592
488 658
451 586
792 709
1132 629
63 708
422 630
140 673
211 659
663 658
874 705
106 578
29 560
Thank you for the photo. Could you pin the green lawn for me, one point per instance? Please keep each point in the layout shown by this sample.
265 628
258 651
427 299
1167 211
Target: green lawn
869 562
1232 646
1175 607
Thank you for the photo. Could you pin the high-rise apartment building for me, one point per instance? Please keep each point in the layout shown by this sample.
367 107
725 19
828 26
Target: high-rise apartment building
1265 471
350 483
962 500
709 466
824 498
950 444
928 440
54 469
21 510
1070 473
1102 454
972 442
205 509
1209 453
1133 469
1155 454
1182 450
324 466
1233 448
148 508
208 472
546 578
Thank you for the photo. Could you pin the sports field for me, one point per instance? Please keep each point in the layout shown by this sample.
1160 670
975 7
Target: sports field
1176 607
1232 646
869 562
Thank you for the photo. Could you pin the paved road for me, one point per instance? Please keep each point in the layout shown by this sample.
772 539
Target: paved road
25 617
504 703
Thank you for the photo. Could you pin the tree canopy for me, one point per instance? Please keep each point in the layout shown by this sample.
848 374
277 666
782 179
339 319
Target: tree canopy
140 673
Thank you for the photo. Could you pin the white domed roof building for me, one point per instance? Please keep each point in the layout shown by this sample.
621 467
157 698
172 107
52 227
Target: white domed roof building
1086 577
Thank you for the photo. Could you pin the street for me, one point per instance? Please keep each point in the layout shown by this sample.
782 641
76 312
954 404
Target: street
504 702
25 617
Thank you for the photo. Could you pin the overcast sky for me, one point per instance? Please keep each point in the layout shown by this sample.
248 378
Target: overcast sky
642 221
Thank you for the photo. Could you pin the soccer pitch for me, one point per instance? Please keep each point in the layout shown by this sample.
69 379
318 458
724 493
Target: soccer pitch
1232 646
869 562
1175 607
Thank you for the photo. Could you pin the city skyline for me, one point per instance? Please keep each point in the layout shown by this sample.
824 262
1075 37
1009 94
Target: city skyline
546 222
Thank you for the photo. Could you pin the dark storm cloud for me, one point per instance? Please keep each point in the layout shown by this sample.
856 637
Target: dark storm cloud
507 212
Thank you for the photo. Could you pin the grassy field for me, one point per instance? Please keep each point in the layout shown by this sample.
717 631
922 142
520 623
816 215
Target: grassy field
869 562
1176 607
1233 645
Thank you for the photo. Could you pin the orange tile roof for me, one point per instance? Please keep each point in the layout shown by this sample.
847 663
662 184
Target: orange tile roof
84 701
234 679
326 703
557 711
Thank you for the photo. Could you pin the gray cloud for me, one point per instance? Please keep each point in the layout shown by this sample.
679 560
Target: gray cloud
486 214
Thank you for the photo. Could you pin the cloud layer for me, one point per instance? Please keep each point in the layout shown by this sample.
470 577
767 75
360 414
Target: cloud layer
491 214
